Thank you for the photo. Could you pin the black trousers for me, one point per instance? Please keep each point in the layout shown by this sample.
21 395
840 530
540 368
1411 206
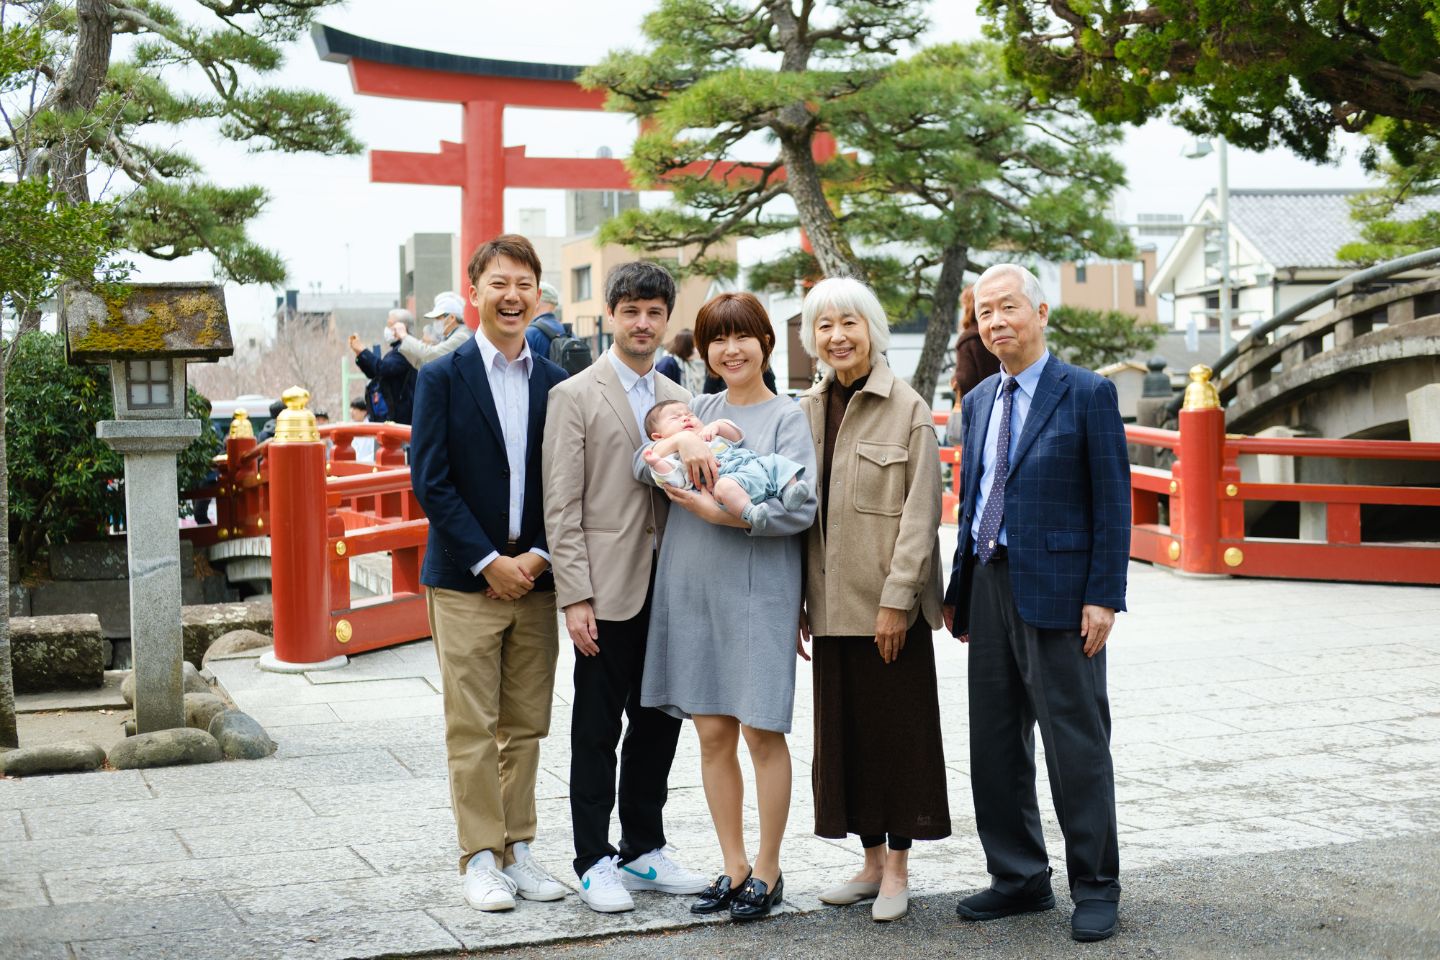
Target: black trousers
1021 676
607 687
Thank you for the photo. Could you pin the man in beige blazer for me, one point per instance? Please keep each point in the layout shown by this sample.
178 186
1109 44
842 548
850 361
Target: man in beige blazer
603 528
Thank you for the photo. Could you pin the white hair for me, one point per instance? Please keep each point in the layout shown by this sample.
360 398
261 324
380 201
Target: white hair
1029 285
401 314
846 297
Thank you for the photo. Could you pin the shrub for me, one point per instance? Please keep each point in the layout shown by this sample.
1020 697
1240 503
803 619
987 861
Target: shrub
66 484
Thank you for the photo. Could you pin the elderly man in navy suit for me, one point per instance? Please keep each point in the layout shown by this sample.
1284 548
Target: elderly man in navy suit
475 466
1039 574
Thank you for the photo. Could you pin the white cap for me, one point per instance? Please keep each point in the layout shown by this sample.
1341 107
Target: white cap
447 302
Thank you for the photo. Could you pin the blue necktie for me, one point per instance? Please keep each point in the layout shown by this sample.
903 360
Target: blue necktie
994 513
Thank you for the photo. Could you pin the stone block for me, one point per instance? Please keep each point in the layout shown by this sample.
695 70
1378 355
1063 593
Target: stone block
19 600
236 644
205 623
201 708
1423 409
165 748
107 599
240 736
105 560
56 653
74 756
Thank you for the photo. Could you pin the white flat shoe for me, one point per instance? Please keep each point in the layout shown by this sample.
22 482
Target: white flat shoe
848 893
885 909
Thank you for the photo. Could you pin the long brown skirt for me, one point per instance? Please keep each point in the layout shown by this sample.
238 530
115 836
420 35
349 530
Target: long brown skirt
879 762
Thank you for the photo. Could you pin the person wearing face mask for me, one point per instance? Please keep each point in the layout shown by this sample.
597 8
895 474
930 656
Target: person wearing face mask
879 764
449 312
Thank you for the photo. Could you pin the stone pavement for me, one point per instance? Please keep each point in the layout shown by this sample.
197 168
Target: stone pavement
1250 717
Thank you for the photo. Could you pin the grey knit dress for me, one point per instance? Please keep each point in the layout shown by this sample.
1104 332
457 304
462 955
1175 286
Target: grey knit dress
727 603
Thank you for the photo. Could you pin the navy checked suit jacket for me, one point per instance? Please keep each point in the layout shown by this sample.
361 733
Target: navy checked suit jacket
1067 499
460 470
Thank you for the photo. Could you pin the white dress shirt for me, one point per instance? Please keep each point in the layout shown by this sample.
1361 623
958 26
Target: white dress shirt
639 390
510 387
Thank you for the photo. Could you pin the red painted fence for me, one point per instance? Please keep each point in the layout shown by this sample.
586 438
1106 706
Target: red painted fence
321 509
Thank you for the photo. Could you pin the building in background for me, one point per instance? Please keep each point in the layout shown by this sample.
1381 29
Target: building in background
429 264
1282 249
340 313
1118 285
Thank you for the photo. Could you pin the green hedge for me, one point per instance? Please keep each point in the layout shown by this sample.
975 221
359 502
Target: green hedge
60 474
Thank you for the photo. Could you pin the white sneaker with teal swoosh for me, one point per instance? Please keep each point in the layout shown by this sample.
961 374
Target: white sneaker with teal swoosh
602 890
656 871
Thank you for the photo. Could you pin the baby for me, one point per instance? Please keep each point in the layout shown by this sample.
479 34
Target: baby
746 479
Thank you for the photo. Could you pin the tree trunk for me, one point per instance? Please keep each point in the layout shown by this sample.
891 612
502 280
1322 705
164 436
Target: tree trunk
9 734
942 320
828 242
79 90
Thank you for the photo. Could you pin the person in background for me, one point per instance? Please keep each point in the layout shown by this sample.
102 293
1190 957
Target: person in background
546 326
394 375
973 362
683 363
364 446
268 431
449 309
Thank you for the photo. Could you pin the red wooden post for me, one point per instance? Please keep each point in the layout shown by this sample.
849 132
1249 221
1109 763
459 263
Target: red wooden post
1198 470
298 543
484 213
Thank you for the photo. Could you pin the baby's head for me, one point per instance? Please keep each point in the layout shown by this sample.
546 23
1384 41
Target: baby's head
669 417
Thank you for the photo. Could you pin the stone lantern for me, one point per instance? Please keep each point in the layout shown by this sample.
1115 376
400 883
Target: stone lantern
148 334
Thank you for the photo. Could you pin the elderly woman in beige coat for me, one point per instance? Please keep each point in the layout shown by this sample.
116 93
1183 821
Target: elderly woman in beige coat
872 598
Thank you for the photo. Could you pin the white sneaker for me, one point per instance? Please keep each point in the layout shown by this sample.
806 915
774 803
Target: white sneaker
530 879
656 871
485 887
602 890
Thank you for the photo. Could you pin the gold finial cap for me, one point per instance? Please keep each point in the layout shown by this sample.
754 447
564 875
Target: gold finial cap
296 423
240 426
1200 394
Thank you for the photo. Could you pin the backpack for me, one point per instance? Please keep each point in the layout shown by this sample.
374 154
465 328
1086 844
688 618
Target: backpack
377 405
567 351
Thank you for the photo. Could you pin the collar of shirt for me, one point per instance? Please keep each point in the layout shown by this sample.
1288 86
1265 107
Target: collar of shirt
489 352
1027 380
628 377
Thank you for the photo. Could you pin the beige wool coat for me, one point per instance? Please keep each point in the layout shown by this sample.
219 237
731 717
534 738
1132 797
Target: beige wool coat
881 544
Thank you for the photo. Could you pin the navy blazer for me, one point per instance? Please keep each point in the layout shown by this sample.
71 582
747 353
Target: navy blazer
1067 499
461 473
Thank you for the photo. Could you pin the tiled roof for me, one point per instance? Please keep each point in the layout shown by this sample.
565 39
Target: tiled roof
1299 228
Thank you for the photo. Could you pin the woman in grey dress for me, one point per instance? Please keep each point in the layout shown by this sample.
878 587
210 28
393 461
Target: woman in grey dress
721 647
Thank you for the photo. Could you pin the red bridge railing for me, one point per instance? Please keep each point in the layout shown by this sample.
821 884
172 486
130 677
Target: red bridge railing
1206 498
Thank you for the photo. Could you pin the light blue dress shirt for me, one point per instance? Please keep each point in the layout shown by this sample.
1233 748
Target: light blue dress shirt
639 390
1027 381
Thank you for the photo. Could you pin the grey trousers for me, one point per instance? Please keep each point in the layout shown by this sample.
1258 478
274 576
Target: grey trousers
1021 676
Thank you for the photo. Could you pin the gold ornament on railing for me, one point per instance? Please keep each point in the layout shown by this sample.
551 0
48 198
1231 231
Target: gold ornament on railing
296 423
1200 394
240 426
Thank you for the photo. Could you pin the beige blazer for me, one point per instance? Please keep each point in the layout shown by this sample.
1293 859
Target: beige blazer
881 546
602 525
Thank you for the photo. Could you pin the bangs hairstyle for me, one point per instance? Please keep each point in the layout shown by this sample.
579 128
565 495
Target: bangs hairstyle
844 297
510 245
733 313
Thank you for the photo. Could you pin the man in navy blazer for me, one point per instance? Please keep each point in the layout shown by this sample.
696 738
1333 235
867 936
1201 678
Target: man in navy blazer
475 465
1039 574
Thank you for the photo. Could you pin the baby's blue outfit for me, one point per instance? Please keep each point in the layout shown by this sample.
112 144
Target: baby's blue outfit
761 476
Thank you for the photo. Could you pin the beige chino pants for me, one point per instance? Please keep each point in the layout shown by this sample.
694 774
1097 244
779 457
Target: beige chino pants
497 672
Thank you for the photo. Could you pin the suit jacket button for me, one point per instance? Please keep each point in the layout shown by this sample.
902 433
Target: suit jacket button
649 529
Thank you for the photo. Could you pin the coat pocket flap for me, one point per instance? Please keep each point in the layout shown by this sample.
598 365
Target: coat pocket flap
1060 540
881 453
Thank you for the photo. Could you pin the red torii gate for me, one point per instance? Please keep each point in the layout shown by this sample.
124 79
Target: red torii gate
481 166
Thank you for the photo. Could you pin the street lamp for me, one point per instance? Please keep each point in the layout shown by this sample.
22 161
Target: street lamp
1194 150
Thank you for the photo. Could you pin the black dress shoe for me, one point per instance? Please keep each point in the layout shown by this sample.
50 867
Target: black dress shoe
1094 920
754 899
717 896
992 904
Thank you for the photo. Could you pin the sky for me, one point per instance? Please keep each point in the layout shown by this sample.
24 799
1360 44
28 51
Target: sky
337 231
